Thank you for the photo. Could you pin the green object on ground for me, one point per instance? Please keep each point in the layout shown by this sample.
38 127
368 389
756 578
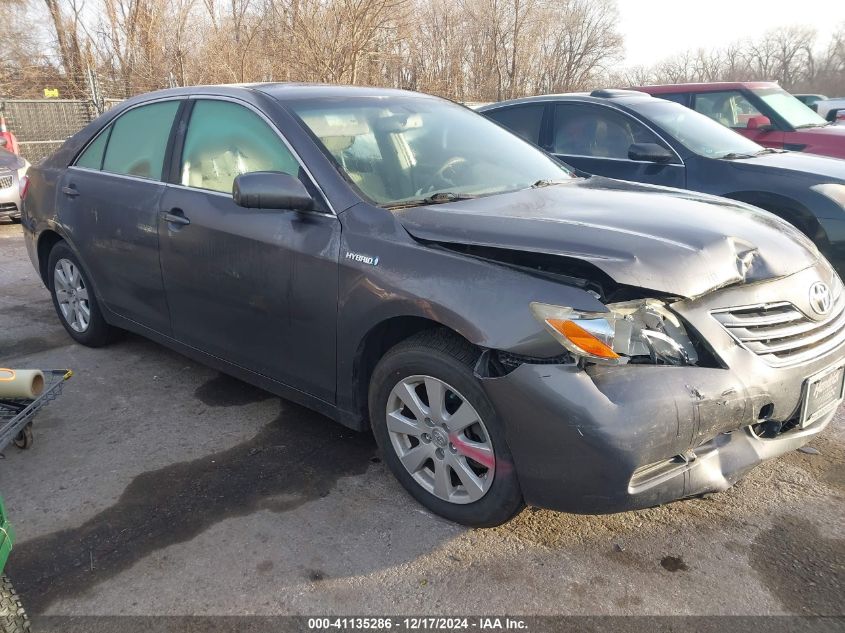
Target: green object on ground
7 537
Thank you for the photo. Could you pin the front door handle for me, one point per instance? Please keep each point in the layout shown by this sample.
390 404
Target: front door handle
175 216
70 191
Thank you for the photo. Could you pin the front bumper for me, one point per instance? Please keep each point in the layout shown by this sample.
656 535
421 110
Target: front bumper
10 199
630 437
609 439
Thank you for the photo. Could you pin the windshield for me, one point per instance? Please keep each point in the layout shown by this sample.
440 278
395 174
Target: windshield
697 132
403 149
794 112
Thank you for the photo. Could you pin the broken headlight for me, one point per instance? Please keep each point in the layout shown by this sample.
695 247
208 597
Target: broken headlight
632 331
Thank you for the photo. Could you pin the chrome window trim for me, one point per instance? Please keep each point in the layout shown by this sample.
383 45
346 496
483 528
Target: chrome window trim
671 148
108 126
116 175
278 132
621 160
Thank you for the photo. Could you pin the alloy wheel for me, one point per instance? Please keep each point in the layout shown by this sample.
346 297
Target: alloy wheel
72 295
440 439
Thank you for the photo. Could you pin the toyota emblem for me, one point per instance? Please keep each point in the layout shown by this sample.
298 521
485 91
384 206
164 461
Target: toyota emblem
820 299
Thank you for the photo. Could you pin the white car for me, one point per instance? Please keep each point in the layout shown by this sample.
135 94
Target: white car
12 170
831 109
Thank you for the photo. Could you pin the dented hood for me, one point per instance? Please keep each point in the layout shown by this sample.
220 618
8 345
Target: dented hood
672 241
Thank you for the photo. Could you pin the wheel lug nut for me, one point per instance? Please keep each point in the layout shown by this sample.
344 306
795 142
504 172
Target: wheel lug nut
439 453
429 422
453 448
426 437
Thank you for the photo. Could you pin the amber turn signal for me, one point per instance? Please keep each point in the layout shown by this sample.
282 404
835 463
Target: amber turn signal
582 339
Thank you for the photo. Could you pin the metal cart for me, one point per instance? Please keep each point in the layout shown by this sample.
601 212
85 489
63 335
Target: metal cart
16 414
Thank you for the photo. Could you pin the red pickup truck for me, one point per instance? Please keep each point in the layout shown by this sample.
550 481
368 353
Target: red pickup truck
762 111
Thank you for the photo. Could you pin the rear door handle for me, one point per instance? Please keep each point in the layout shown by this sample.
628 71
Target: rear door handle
175 216
70 191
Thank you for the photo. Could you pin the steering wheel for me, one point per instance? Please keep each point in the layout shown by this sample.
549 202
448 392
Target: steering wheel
447 171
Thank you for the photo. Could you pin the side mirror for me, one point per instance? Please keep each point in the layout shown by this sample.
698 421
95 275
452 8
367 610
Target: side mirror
271 190
759 122
650 152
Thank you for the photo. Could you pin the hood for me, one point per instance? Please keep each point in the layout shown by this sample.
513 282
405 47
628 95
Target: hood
815 169
828 140
10 161
675 242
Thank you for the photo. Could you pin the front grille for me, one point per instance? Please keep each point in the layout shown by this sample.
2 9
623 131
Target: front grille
6 181
781 334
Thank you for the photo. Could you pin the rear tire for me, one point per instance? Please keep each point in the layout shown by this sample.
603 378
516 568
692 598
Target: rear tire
13 617
78 312
462 473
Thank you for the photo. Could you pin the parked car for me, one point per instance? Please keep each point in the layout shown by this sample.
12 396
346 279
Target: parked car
810 100
761 111
832 110
510 332
12 170
630 135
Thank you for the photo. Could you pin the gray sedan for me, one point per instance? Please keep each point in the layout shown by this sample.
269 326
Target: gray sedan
510 332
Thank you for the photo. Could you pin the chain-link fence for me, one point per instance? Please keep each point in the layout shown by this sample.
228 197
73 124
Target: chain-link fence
42 125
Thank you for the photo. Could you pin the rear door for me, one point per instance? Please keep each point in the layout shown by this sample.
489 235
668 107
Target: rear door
255 287
596 139
109 201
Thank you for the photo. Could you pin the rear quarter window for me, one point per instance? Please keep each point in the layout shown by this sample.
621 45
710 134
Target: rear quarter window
523 120
92 157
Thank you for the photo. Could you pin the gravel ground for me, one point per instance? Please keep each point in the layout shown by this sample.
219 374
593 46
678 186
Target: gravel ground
157 486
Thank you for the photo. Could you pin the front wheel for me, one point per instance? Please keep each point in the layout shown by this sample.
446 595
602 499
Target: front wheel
439 433
13 618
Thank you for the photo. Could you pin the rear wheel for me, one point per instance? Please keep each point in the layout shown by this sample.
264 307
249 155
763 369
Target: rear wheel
439 433
74 299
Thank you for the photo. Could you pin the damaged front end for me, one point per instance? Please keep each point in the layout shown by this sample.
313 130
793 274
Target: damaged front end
654 400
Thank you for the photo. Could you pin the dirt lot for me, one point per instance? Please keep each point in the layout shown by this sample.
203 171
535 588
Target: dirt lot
157 486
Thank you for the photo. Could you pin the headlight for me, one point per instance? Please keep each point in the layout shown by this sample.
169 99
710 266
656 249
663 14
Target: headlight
638 331
833 191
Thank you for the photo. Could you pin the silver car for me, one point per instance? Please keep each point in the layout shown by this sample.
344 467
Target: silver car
12 170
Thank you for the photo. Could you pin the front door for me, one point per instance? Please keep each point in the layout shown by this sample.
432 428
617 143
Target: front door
257 288
110 197
735 110
596 139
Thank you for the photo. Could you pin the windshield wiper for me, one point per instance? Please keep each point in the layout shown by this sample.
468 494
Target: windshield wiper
806 125
770 150
436 198
736 156
548 183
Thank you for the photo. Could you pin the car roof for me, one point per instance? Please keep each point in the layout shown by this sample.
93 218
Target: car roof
706 87
282 91
621 97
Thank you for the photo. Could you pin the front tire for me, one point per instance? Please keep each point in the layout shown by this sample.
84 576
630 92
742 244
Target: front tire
13 617
74 300
439 433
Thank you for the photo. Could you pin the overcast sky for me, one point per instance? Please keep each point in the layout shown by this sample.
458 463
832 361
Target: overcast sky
654 29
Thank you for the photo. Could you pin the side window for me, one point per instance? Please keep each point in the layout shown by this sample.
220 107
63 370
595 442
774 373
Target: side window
730 108
679 97
524 120
225 140
92 157
597 131
138 140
